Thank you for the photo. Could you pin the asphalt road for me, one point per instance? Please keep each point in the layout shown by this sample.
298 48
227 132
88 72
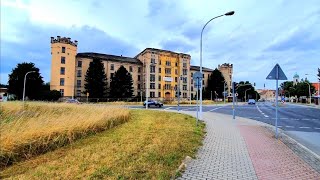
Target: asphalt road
300 122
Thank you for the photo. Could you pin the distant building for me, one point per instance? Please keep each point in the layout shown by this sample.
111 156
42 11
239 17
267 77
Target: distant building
227 69
157 69
295 79
266 94
316 86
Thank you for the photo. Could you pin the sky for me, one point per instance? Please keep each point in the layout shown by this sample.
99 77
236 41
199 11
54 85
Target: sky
258 36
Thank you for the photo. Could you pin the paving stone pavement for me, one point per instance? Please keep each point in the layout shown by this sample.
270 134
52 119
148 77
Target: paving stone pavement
224 154
243 149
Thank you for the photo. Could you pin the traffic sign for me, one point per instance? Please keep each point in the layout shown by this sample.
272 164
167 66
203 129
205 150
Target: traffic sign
277 74
197 75
197 84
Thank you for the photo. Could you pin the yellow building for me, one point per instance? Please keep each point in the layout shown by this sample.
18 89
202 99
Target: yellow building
159 70
206 74
227 69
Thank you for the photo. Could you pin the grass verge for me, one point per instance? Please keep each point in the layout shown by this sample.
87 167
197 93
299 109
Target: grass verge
35 128
150 146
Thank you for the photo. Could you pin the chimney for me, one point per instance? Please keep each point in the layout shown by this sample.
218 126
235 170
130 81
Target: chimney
58 38
52 38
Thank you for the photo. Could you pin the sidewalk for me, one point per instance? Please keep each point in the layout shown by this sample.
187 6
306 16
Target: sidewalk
244 149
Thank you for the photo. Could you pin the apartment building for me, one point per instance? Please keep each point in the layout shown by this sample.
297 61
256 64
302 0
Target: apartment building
161 71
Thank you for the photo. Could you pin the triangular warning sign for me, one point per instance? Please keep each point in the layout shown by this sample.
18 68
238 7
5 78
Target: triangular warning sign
277 73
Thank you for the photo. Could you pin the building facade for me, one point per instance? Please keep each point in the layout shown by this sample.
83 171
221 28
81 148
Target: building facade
156 71
227 70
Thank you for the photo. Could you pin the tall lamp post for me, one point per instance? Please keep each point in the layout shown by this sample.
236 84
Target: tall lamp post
309 93
24 84
318 87
226 14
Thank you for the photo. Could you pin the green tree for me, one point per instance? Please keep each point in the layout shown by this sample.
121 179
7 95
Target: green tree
33 81
121 84
302 88
246 88
95 80
215 84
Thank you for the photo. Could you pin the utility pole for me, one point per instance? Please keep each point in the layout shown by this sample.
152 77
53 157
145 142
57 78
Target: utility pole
24 84
179 92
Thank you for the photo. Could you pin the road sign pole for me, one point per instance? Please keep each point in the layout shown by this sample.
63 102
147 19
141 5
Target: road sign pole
197 101
179 94
233 98
276 124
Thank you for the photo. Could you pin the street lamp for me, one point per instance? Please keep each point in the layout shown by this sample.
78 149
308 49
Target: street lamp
318 88
24 84
226 14
309 93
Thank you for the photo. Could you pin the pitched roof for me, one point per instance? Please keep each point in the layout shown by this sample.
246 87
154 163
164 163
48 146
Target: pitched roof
108 57
197 68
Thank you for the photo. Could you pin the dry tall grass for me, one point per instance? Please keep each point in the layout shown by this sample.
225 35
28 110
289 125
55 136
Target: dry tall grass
40 127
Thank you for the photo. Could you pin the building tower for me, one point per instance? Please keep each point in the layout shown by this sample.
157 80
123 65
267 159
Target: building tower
295 79
227 69
63 64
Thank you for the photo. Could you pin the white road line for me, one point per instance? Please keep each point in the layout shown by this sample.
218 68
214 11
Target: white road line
315 119
316 128
168 108
215 109
290 126
188 108
305 119
304 127
261 112
284 118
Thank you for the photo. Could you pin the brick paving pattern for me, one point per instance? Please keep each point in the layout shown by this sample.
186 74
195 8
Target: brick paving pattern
272 159
224 154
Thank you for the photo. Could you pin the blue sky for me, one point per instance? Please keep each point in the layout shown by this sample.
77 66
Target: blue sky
259 35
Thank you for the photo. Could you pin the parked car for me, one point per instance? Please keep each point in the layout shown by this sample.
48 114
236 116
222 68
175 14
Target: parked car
152 103
252 101
75 101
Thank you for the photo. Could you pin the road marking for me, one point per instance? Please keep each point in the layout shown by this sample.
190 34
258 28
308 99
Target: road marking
284 118
316 128
188 108
305 119
261 112
304 127
290 126
215 109
168 108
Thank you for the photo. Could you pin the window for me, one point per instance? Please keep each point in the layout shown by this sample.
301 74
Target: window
139 69
152 86
61 81
159 62
168 71
62 92
112 67
152 78
202 82
159 94
153 61
191 88
138 86
184 95
138 77
62 70
159 70
111 75
79 63
184 65
63 60
176 71
203 75
78 92
184 87
167 86
185 71
79 73
185 79
175 79
152 94
159 86
159 78
168 63
130 68
78 83
191 74
176 64
152 69
191 81
63 49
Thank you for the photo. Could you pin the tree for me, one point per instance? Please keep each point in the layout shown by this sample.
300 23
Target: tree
121 84
215 84
302 88
246 88
95 80
319 74
33 81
